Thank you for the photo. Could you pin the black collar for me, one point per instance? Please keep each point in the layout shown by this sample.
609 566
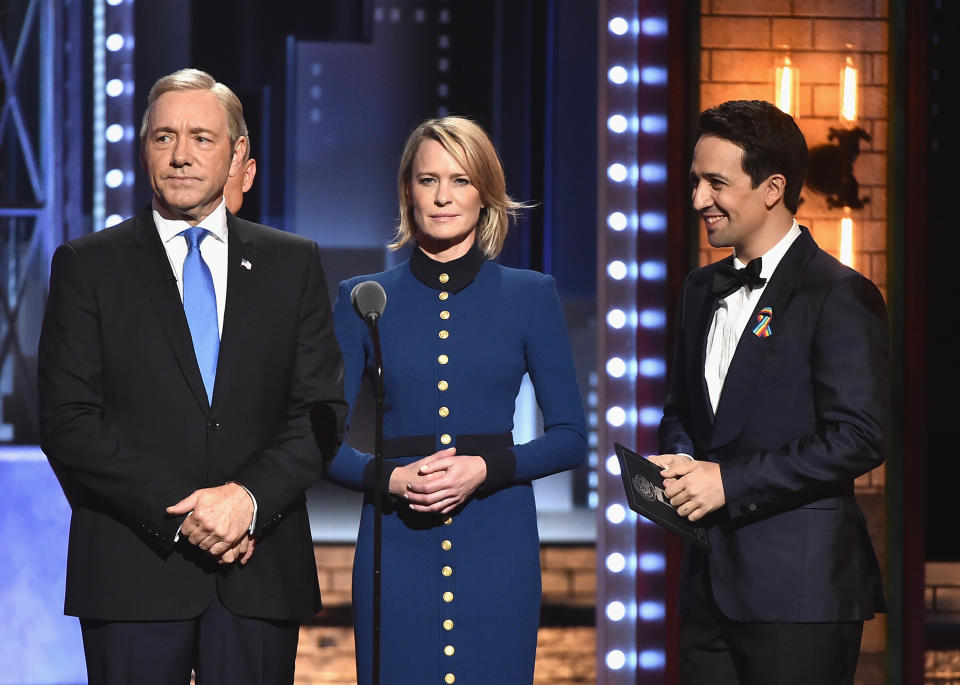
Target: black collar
452 276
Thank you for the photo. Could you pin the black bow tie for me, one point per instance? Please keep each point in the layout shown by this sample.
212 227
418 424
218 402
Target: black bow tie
728 278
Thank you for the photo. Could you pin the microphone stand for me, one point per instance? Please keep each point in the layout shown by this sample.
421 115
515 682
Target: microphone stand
378 392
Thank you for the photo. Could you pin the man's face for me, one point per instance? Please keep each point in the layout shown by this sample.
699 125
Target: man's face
732 210
187 154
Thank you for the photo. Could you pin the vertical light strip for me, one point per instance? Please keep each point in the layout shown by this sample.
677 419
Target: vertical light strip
631 327
114 129
99 115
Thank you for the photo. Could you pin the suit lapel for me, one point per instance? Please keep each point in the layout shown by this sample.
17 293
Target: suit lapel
161 287
241 277
746 373
702 409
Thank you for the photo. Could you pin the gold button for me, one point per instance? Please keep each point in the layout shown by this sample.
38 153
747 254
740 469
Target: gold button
443 359
443 385
445 439
447 521
448 650
444 314
444 335
444 295
447 571
448 596
446 544
444 412
449 679
444 278
448 624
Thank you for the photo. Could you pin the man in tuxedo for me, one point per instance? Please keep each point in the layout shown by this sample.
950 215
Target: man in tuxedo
777 401
190 390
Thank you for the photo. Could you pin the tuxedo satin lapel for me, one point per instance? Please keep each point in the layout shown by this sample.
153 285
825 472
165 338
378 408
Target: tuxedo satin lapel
241 292
702 409
161 287
743 386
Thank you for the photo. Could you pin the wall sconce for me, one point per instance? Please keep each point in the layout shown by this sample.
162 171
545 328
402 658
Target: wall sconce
830 166
787 87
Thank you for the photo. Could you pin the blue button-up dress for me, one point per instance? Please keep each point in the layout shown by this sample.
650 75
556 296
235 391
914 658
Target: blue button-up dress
460 592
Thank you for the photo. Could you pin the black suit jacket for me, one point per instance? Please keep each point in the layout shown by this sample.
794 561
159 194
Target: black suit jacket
802 414
126 423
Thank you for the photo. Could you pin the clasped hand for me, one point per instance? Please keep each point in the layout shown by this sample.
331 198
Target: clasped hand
694 488
439 483
217 522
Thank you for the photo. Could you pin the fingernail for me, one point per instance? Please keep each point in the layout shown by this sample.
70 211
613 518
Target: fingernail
406 496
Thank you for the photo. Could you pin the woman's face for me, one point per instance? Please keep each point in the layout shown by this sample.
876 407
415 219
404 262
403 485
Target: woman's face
446 204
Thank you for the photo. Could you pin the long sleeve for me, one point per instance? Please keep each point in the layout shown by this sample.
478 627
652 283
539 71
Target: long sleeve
549 362
351 468
316 410
850 372
91 456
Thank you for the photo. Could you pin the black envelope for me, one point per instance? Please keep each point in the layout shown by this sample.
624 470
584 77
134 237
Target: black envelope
644 486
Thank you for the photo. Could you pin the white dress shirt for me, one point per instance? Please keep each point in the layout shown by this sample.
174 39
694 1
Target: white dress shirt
213 250
733 315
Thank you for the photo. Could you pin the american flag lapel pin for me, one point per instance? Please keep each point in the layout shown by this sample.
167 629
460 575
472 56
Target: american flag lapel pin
763 329
245 263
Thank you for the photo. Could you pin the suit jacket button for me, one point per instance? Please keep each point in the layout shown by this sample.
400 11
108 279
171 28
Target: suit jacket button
214 425
752 507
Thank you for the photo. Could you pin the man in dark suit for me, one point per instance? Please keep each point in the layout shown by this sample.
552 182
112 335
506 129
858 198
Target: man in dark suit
777 402
190 390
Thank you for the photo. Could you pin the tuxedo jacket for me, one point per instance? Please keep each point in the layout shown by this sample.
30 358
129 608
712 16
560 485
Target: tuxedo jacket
127 427
802 413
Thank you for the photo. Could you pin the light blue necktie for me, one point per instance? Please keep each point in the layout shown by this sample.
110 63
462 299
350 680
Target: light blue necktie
200 306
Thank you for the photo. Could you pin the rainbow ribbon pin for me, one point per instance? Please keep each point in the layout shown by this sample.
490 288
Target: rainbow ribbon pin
763 328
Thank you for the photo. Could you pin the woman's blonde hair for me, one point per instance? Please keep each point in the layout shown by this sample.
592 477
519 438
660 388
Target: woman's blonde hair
470 146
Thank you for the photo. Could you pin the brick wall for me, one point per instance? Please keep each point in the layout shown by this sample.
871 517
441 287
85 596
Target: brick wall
741 42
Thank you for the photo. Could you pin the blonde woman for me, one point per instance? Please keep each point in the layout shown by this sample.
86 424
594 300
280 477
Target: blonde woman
461 556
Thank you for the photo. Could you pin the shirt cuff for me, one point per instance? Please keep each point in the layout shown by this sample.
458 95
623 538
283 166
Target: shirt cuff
176 538
501 468
369 475
684 454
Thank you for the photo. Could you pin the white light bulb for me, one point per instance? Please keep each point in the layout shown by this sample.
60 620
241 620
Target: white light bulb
617 221
616 367
617 123
617 172
616 610
618 26
616 318
616 562
616 659
618 74
617 270
616 513
114 133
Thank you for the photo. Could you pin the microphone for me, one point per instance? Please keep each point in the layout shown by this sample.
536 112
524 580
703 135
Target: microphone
369 300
